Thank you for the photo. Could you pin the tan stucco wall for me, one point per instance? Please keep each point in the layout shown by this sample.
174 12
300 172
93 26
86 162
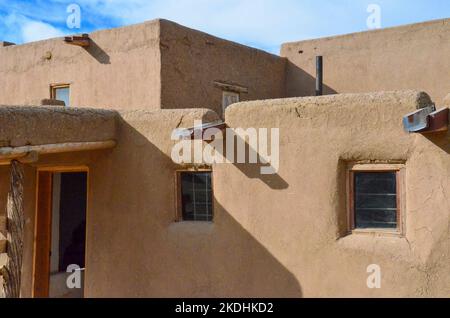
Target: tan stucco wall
447 100
157 64
299 214
279 235
120 68
28 126
407 57
192 61
132 227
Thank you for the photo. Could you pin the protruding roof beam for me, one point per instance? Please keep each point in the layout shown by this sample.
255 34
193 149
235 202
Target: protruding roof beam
427 120
438 121
198 131
83 41
4 44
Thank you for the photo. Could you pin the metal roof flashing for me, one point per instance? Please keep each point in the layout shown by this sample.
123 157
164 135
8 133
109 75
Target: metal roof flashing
427 120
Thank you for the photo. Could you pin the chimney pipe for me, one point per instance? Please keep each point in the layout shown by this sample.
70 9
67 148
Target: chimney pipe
319 75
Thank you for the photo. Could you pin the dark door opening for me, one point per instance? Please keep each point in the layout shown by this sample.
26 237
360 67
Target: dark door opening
60 235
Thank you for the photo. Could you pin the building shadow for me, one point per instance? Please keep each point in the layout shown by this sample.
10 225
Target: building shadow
440 139
136 247
98 53
253 171
301 84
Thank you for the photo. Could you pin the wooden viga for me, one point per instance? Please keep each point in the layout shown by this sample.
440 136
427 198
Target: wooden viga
14 224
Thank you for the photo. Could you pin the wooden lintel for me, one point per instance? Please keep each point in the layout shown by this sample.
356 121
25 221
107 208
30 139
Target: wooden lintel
83 41
231 87
9 153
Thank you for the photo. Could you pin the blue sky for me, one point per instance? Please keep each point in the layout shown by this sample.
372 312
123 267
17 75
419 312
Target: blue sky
260 23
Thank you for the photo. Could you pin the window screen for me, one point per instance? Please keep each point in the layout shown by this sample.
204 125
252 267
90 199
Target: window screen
375 201
196 196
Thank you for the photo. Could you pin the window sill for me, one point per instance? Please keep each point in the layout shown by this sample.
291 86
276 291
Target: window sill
376 243
377 232
194 222
192 227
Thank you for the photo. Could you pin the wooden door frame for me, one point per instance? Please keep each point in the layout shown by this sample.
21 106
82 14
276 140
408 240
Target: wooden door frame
52 170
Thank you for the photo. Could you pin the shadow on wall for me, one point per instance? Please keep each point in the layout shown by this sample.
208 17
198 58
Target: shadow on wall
98 53
227 261
161 257
300 83
440 139
253 171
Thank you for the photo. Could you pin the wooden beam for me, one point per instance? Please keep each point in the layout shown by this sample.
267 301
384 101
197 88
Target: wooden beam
5 44
438 121
231 87
16 223
3 220
83 41
2 246
9 153
427 120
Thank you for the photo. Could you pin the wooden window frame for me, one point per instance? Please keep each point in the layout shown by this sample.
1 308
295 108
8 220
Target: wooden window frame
399 170
40 287
54 87
225 92
178 197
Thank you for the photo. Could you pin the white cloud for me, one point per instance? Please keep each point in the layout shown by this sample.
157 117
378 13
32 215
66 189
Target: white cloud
261 23
36 30
23 29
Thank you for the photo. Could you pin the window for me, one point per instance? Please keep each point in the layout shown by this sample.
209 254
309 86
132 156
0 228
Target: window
61 92
375 198
195 196
229 98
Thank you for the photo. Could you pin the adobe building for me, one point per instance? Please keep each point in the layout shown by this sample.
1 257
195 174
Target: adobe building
87 175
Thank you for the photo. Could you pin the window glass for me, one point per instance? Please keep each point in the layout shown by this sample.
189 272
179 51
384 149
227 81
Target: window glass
375 201
196 196
62 93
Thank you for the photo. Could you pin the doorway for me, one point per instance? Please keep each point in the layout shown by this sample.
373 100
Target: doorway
60 238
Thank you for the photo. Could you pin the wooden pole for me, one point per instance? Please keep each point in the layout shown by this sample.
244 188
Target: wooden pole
16 222
8 153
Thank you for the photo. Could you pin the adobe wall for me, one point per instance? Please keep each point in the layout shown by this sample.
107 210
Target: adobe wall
299 215
144 253
121 67
134 247
31 125
447 100
281 235
192 61
407 57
